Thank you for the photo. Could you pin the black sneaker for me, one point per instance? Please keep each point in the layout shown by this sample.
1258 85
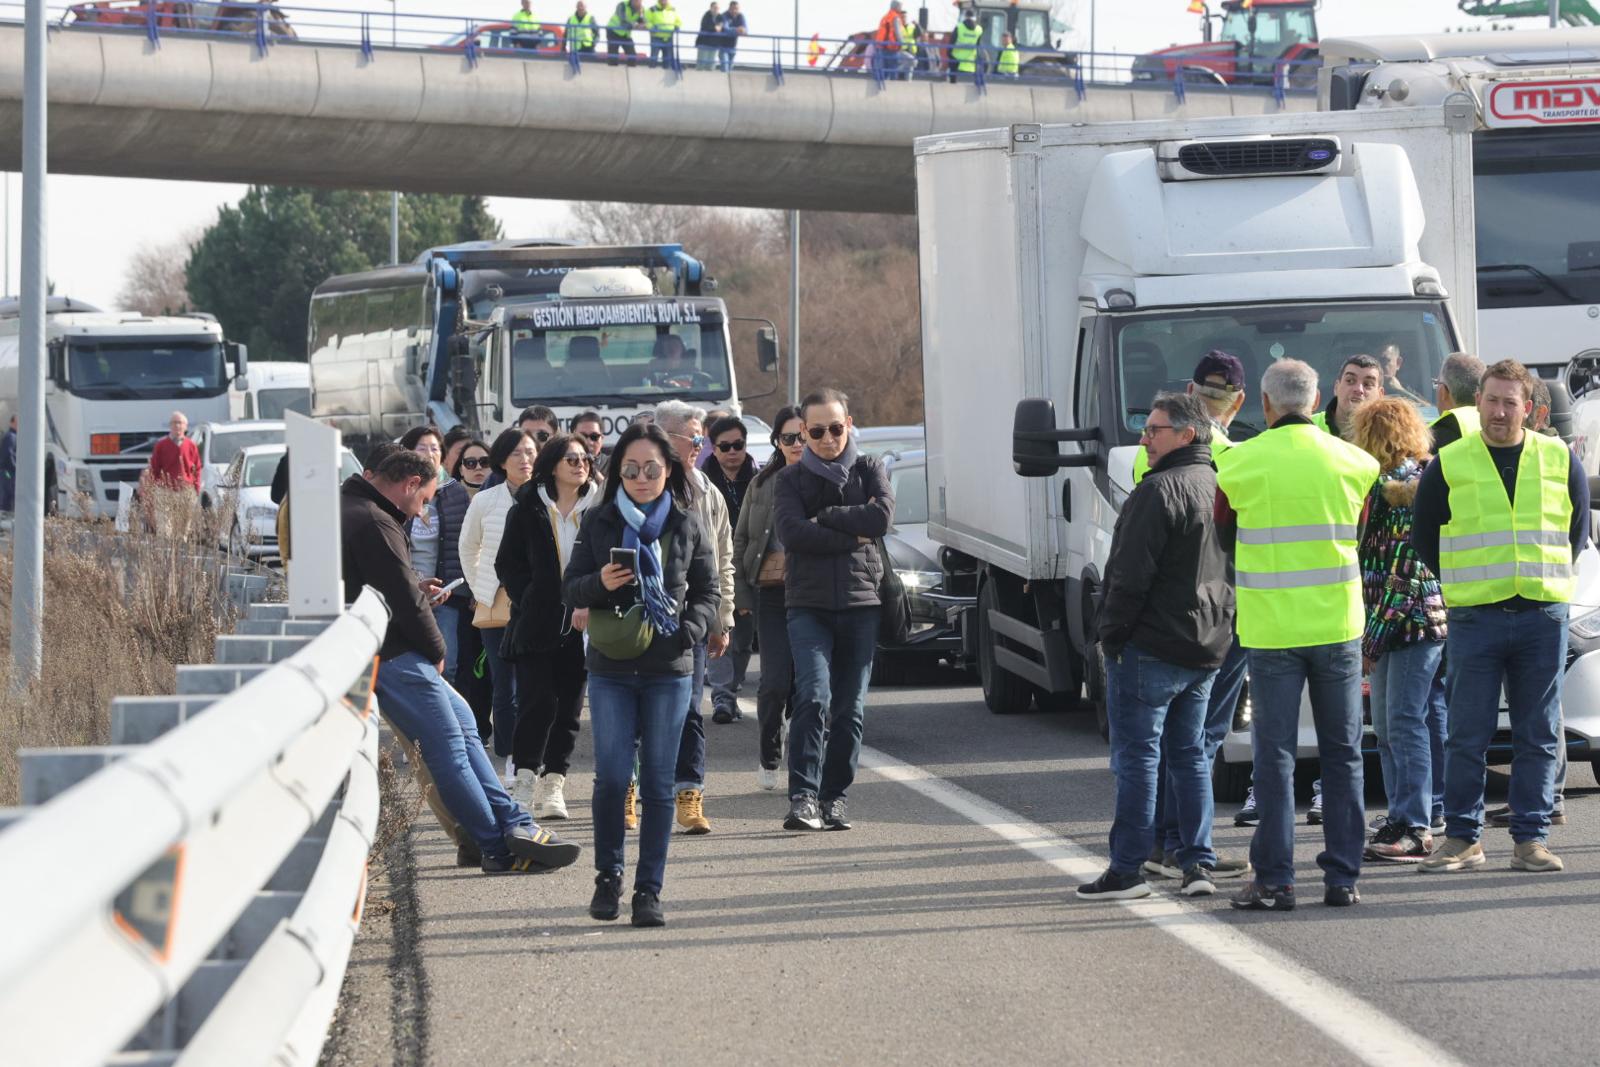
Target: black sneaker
647 909
1501 816
723 715
1257 897
1341 896
467 855
540 848
1163 865
835 815
1114 886
1437 827
606 904
1314 816
1198 881
803 814
1400 844
1248 815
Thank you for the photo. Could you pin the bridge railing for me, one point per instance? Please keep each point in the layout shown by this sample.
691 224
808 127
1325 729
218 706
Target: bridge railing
270 25
194 898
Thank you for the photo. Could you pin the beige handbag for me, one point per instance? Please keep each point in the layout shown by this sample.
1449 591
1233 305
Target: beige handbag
773 569
493 616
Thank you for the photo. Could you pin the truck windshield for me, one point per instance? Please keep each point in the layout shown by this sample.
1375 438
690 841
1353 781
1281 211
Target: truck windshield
1275 31
272 403
1538 233
636 362
140 370
1158 352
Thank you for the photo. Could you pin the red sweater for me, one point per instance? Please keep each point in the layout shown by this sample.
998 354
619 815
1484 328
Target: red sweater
175 463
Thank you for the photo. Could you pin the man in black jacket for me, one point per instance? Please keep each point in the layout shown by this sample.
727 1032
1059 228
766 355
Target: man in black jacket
411 692
1166 625
831 511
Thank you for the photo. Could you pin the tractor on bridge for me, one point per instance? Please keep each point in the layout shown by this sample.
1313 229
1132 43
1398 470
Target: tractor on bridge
1256 38
1027 21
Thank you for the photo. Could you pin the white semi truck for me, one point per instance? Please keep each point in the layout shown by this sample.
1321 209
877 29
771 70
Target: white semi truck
113 378
1071 272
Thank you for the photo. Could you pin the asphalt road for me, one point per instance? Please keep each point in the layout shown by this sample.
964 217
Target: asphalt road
942 929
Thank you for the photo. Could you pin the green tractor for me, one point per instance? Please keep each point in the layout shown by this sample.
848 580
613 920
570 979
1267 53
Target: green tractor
1572 12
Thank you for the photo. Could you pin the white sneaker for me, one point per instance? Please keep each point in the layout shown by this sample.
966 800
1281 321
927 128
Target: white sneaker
767 777
549 800
511 771
523 786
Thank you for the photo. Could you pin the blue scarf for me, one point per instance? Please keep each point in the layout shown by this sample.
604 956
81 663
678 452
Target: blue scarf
643 535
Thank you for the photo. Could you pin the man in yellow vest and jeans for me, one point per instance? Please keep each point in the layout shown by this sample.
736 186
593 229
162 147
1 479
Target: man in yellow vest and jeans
581 30
965 43
1297 492
664 24
1500 517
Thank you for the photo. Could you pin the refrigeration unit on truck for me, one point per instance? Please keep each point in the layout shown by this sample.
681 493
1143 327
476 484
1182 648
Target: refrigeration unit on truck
1535 102
472 334
113 379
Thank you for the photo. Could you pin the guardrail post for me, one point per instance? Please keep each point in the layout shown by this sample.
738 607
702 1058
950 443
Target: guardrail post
152 25
366 36
777 67
472 45
1178 88
316 578
262 41
1077 81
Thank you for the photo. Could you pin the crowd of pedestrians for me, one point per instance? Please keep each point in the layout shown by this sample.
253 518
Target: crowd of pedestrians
549 570
1340 543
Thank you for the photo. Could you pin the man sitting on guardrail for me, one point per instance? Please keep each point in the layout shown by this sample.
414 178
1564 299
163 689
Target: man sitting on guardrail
412 693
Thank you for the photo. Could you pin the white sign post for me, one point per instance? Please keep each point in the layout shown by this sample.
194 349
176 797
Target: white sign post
316 574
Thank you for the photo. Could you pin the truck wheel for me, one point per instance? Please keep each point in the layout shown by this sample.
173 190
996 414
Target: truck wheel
1095 681
889 669
1230 781
1003 692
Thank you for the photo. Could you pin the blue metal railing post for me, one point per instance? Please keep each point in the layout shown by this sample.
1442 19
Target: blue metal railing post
471 51
574 60
1077 80
261 30
777 66
366 36
979 72
1179 90
152 26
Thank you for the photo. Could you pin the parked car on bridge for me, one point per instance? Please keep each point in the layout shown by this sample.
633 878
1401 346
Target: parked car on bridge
935 633
220 442
549 39
881 440
247 484
182 15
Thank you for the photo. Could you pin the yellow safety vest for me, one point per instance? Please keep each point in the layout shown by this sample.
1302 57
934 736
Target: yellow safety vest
908 38
580 32
622 19
965 53
1219 445
662 22
1491 549
1467 418
1298 493
524 22
1009 60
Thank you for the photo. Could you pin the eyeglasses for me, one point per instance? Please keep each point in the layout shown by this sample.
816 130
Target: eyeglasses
1151 429
836 429
474 463
789 440
596 437
577 459
697 440
541 436
730 446
650 471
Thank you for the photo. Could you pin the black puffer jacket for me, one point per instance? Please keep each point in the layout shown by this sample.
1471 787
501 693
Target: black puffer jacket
829 567
375 552
690 577
529 566
1168 588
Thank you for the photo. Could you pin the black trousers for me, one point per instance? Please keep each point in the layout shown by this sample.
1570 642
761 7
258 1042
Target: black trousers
775 694
477 691
620 44
549 704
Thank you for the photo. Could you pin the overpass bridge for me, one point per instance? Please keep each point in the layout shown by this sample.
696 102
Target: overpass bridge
126 102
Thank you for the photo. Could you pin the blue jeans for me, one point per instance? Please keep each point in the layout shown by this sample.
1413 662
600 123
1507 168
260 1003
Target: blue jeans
1438 724
1402 680
448 618
1526 651
1226 688
1277 678
1158 708
661 51
691 772
503 676
832 662
725 59
629 712
416 699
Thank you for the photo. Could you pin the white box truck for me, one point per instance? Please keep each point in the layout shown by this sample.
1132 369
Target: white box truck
1070 272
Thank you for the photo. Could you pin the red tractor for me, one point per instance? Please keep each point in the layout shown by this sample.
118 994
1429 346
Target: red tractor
1256 37
1028 22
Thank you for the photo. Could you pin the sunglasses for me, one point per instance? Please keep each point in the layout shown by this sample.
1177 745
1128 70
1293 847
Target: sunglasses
541 436
592 436
790 439
730 446
474 463
577 459
650 471
697 440
835 429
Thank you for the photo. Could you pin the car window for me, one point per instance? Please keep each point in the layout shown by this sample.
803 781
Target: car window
910 485
227 444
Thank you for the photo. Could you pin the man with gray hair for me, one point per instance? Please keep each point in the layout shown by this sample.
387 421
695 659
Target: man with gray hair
1456 397
685 425
1292 498
1166 625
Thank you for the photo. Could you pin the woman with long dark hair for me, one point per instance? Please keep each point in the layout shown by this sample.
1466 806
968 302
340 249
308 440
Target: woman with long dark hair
647 572
758 567
470 469
545 638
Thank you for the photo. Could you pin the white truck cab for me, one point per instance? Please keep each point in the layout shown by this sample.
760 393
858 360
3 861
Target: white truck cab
267 390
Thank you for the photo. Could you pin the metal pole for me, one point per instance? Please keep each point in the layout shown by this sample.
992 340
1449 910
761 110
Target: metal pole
796 34
794 307
394 197
5 288
1091 40
27 561
1555 13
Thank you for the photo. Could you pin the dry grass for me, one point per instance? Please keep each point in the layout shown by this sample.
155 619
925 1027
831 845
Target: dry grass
120 613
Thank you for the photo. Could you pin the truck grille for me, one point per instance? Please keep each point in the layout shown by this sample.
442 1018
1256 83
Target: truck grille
1258 157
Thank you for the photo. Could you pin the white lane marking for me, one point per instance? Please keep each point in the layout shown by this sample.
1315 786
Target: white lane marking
1369 1034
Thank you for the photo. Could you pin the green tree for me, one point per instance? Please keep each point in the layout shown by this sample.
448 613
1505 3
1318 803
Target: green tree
256 266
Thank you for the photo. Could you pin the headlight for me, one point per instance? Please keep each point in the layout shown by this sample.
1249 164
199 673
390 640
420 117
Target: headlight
256 514
85 481
916 581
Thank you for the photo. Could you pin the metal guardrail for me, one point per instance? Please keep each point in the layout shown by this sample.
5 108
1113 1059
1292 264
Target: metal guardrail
189 894
269 25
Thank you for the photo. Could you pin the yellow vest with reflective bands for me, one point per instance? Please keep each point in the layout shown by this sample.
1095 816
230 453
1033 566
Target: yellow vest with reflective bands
1467 418
1491 549
524 22
965 53
661 21
581 31
1009 60
1298 492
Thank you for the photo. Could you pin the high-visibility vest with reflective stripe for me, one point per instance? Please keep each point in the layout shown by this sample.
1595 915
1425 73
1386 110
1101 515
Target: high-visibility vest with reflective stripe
965 53
1298 493
662 21
1491 549
1467 418
1141 458
524 22
581 31
1009 61
908 37
622 19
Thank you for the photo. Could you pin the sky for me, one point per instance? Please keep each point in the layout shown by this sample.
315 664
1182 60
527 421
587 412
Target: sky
95 225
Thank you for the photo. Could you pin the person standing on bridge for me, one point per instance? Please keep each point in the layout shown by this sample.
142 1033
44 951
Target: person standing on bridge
832 511
886 40
663 21
411 692
710 39
1166 625
1500 517
1289 501
646 619
966 42
1010 62
581 30
524 27
628 16
734 27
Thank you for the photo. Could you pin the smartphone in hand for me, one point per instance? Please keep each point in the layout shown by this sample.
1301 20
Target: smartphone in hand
627 558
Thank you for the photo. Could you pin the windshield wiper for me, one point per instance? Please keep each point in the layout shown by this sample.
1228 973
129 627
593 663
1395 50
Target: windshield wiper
1524 268
107 392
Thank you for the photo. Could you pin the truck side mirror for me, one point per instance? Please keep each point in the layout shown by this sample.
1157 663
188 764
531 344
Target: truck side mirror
1035 451
767 349
239 355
